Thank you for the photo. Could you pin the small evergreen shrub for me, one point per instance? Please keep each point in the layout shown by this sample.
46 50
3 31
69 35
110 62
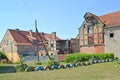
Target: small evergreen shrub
21 66
3 56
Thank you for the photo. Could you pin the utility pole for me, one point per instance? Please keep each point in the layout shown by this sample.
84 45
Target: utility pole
38 35
37 40
11 50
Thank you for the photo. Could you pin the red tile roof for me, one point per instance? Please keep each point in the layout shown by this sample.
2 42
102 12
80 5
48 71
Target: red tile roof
24 37
111 19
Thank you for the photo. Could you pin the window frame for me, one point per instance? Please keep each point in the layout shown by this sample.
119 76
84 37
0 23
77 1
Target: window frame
111 35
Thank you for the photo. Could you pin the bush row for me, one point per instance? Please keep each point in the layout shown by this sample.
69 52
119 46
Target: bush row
68 65
53 64
82 57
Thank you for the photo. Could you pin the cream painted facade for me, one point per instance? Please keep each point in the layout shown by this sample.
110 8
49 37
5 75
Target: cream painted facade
14 50
112 40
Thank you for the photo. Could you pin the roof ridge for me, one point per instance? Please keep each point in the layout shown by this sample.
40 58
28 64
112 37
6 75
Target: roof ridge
28 31
19 30
110 13
110 19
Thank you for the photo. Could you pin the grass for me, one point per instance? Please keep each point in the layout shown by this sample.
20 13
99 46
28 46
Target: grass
102 71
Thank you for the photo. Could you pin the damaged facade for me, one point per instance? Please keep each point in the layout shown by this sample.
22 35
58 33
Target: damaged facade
18 42
99 34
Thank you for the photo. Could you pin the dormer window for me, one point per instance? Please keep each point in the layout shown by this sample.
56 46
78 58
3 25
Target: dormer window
35 42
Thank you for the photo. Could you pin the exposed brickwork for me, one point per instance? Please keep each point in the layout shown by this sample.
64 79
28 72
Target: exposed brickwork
92 49
91 37
61 57
74 45
100 37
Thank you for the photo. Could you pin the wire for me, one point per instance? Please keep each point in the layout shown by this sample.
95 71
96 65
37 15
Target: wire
28 9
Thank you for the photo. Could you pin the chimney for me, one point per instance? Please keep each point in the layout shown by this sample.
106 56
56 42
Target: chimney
30 32
54 35
17 30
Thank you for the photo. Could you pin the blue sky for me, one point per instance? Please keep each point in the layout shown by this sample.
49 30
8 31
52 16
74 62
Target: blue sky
61 16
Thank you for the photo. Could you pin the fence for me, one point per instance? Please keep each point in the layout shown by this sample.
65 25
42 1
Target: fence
41 58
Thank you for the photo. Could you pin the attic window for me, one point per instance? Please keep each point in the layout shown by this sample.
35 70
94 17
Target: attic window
111 35
35 42
5 42
90 31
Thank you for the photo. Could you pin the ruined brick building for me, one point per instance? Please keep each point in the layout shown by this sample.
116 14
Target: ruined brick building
18 42
100 33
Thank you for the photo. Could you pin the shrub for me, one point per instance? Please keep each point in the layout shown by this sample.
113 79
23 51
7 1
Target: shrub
21 67
73 58
7 69
3 56
77 57
82 57
104 56
37 62
52 62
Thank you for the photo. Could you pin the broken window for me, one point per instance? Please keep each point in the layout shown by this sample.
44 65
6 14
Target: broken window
41 54
90 40
51 45
75 43
90 30
111 35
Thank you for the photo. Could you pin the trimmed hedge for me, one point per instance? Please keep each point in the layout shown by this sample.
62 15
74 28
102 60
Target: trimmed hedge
82 57
7 69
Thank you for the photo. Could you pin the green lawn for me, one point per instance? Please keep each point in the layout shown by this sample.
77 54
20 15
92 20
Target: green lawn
101 71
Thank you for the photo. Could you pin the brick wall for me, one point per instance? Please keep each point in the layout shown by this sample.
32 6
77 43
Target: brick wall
74 44
92 49
91 41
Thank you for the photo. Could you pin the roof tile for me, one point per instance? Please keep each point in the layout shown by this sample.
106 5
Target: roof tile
111 19
23 37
